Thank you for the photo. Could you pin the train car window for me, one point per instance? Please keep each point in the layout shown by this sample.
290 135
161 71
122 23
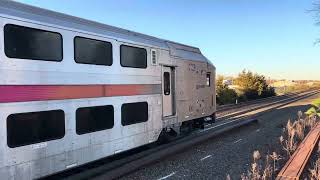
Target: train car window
208 79
133 57
90 51
32 44
133 113
92 119
35 127
166 83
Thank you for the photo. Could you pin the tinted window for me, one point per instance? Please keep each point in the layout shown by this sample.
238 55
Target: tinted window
133 57
90 51
208 79
92 119
35 44
35 127
133 113
166 85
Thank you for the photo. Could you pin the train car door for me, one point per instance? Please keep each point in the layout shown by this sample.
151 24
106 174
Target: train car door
168 91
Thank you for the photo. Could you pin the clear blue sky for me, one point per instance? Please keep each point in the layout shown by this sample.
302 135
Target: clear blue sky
275 38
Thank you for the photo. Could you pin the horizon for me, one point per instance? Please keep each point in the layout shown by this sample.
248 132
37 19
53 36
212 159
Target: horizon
275 39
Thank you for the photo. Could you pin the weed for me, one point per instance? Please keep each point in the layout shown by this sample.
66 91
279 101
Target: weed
257 171
293 134
315 171
275 157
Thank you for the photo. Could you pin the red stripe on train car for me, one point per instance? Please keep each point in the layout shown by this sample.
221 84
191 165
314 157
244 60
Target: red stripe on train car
24 93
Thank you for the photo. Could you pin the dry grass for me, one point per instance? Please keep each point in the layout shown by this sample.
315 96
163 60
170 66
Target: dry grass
293 134
314 172
260 170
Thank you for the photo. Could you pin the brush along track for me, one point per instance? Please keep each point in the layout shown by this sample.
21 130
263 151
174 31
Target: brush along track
114 167
296 164
229 110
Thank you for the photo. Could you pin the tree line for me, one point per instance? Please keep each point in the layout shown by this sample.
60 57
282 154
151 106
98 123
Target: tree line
248 86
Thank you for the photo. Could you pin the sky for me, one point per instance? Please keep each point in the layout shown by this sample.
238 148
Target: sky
275 38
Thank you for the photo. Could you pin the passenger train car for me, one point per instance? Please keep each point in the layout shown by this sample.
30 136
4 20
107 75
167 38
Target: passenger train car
73 91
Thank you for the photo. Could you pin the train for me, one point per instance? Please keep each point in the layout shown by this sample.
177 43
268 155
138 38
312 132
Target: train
73 91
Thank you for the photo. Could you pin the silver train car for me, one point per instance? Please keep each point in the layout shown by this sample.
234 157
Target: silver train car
73 91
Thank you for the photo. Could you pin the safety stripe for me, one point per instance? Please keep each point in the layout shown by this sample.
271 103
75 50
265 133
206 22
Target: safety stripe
25 93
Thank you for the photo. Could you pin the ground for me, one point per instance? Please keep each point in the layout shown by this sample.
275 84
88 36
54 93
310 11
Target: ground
229 153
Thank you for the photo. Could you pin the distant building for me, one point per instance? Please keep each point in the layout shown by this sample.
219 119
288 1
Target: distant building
227 82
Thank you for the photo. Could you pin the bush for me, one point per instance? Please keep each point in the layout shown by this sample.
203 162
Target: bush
315 109
225 95
253 86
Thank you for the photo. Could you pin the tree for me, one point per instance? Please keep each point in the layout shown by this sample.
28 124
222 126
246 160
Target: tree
225 95
253 86
316 12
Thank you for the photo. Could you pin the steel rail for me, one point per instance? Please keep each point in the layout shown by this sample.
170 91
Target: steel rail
261 105
241 104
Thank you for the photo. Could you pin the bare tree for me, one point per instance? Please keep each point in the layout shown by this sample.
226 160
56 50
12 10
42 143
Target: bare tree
315 11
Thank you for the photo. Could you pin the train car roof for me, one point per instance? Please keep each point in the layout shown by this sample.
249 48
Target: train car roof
23 11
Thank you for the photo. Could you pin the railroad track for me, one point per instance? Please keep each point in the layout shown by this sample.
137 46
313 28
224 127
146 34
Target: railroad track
228 109
124 163
241 104
243 109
